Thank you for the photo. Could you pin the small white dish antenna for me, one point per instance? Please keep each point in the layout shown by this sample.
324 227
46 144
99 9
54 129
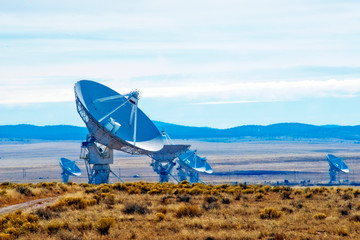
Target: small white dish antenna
336 165
69 168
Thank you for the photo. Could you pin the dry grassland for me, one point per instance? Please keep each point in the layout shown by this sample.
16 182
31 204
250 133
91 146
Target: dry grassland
182 211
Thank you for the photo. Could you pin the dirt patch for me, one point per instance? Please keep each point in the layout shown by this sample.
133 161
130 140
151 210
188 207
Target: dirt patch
29 206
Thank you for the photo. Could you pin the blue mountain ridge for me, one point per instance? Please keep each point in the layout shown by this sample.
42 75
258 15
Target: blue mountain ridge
290 130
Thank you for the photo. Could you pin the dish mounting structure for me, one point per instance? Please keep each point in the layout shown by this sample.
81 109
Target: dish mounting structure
163 161
189 163
115 122
337 166
68 168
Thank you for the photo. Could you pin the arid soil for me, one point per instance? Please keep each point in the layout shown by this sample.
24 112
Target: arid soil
247 160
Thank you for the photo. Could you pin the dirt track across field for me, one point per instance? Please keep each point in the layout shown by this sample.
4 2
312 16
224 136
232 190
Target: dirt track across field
29 206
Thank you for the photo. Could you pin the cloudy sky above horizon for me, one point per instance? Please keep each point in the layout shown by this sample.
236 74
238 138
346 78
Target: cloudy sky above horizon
201 63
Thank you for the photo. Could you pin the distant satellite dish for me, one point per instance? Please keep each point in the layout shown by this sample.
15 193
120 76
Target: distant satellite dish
163 161
68 168
336 165
191 160
115 120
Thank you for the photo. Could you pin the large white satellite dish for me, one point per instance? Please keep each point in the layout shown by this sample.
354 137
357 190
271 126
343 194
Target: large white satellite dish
69 168
336 165
115 120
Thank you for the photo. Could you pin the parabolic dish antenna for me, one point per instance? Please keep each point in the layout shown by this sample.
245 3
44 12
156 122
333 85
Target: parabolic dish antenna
191 160
68 168
115 120
337 163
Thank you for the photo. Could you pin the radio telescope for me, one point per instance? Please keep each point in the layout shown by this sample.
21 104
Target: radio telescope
115 122
68 168
163 161
336 166
189 163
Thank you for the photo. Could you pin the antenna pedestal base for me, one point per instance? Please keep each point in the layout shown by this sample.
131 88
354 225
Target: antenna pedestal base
65 177
163 169
100 173
97 160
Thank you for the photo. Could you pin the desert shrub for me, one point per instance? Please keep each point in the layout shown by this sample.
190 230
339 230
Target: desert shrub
159 216
344 212
119 186
83 226
103 225
225 201
259 196
24 190
183 198
320 216
110 199
343 232
270 213
44 213
91 190
14 232
18 223
210 206
297 192
286 195
196 191
309 195
73 202
55 226
237 197
356 193
210 199
355 218
248 191
30 227
5 236
277 189
188 211
346 196
131 208
287 210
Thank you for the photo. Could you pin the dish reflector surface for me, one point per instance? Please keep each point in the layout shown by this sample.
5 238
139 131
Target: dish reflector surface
191 160
70 167
115 120
337 163
169 152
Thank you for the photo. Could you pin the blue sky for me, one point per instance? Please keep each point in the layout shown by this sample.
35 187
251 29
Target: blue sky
200 63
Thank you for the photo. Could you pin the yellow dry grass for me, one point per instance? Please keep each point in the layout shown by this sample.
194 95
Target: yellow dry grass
183 211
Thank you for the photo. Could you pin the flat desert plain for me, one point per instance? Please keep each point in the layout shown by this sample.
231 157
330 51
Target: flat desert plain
248 160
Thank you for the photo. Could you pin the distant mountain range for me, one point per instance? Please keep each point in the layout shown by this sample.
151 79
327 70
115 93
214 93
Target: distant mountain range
274 131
